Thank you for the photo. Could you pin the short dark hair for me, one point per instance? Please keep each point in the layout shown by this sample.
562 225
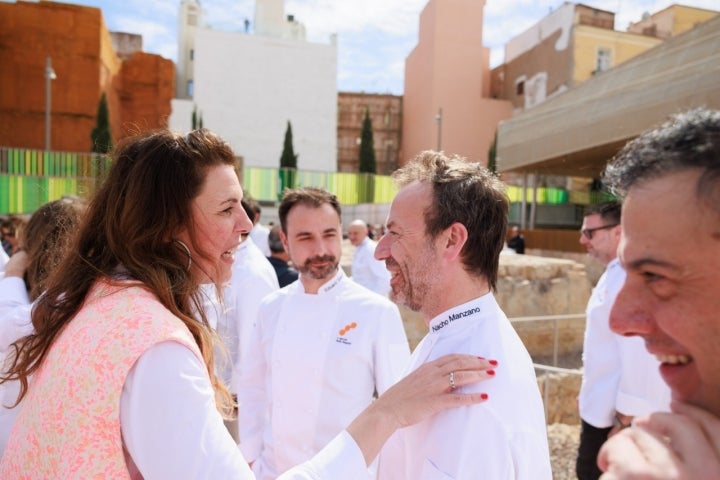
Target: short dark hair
274 241
467 193
609 211
688 140
246 204
251 207
310 196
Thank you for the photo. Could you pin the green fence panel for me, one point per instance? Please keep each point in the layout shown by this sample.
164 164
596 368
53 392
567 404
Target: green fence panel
385 189
267 184
5 198
261 183
35 194
30 178
346 188
15 162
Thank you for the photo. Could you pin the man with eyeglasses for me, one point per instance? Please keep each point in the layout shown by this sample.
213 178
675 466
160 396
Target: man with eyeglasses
620 379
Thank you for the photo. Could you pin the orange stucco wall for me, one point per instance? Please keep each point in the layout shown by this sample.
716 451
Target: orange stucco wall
147 87
449 70
85 63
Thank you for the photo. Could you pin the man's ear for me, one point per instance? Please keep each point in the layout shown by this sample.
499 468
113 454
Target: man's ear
456 236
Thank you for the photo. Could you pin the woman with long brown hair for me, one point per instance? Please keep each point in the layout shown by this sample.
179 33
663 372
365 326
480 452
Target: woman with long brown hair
123 381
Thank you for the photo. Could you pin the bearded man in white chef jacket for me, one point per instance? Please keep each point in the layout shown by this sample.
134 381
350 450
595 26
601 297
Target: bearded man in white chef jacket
322 346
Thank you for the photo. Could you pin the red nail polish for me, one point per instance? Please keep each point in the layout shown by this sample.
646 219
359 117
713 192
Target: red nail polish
484 396
490 372
493 362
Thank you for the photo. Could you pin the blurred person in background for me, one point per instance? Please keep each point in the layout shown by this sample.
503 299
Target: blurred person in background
11 229
517 240
366 269
46 237
279 258
620 378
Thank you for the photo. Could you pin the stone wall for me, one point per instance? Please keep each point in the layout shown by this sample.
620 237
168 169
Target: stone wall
593 267
560 399
531 286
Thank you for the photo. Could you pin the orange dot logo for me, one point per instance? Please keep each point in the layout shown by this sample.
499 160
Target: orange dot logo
347 328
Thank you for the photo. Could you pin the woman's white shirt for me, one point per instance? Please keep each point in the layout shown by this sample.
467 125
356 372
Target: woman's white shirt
168 391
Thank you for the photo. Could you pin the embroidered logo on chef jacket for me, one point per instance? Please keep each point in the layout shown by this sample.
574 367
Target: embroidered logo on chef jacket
344 331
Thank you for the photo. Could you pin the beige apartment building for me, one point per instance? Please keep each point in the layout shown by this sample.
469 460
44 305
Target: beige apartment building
567 47
447 103
671 21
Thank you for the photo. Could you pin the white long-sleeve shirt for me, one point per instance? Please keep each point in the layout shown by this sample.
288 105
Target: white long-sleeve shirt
313 367
259 235
253 277
15 323
14 311
502 438
171 428
619 375
369 272
3 259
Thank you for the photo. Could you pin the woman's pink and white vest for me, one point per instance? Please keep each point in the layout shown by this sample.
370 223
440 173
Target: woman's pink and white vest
69 425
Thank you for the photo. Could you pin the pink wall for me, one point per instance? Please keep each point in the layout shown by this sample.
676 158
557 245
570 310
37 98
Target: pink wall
449 69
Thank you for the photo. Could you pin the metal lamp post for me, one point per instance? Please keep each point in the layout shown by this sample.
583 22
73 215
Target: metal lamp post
49 77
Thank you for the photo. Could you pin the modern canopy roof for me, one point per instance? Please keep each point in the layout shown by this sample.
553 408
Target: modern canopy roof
577 132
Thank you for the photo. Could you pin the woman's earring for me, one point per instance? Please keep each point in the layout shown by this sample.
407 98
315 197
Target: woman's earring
187 250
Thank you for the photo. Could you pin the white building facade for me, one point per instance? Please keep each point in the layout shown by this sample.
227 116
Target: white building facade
246 87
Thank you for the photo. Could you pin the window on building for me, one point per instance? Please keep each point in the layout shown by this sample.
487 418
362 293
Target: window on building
520 87
190 88
603 59
192 54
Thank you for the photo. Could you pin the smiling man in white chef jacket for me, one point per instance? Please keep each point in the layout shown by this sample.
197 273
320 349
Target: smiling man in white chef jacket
445 231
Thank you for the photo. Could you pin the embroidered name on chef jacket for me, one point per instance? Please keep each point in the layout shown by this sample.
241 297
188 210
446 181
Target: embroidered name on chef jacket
332 283
344 331
454 316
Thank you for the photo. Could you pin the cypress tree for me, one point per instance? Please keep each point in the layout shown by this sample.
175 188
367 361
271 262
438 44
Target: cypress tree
492 153
288 159
101 136
196 119
367 163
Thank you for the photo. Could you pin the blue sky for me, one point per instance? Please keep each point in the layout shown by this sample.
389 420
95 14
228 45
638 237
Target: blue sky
374 36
